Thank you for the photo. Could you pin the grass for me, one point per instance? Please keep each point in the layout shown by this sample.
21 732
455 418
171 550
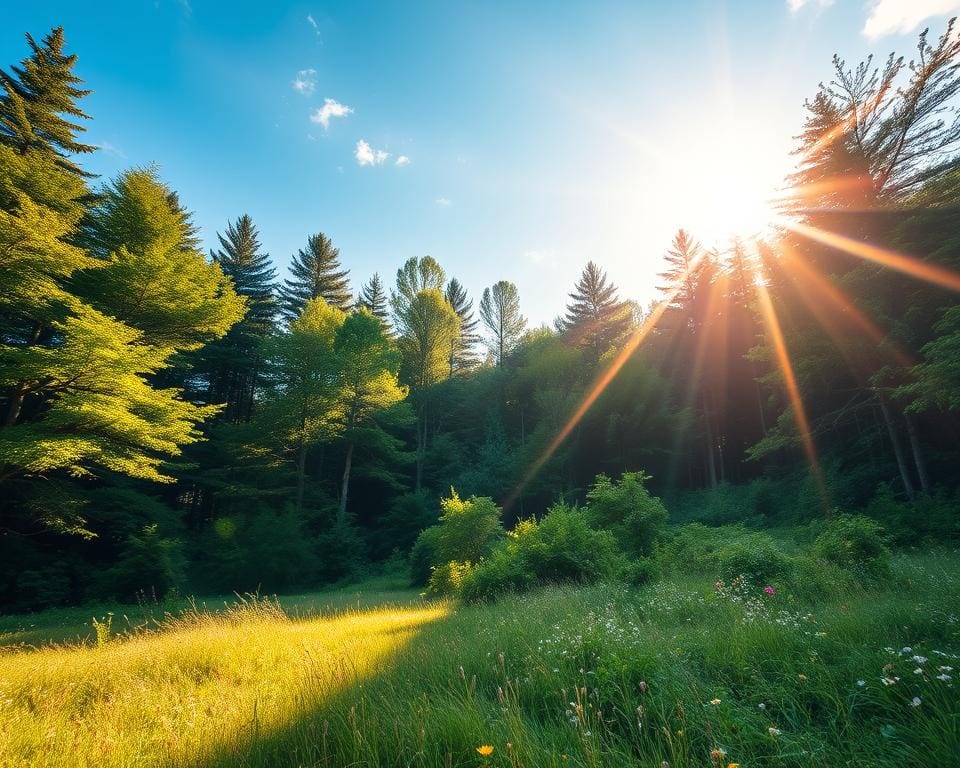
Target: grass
590 676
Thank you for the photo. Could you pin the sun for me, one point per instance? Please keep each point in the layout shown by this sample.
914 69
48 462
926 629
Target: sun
726 182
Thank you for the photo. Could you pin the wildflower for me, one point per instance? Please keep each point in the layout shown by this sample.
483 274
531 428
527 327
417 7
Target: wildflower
906 649
664 764
915 702
944 677
643 686
714 701
717 754
801 677
485 750
719 584
761 705
733 765
918 671
945 669
773 731
769 590
680 732
889 680
861 683
920 659
509 747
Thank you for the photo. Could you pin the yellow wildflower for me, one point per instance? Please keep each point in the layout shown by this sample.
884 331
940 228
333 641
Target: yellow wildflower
714 701
485 750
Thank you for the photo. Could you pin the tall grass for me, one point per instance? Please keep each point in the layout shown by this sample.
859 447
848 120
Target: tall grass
681 672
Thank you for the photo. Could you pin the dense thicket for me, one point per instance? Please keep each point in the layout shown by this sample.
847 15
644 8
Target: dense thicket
163 429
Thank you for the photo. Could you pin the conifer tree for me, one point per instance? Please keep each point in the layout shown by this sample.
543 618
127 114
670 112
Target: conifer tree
416 274
596 318
234 365
463 354
315 274
373 298
500 312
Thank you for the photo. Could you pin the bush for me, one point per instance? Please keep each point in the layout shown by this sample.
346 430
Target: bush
149 565
448 578
639 572
628 510
468 528
855 543
562 547
406 517
424 555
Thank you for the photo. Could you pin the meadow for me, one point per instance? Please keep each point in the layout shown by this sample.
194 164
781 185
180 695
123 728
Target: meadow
684 671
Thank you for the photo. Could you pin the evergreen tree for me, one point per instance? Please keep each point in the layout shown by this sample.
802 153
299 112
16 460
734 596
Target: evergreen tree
500 312
416 274
38 99
234 365
373 298
463 354
596 318
315 274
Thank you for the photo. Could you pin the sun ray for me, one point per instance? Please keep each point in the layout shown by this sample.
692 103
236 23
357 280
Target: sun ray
931 273
772 324
599 385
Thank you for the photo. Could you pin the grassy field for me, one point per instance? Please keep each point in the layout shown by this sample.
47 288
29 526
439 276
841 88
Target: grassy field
680 671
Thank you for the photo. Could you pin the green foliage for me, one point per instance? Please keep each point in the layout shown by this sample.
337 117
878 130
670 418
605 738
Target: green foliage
500 313
468 528
424 555
628 510
856 543
315 274
448 578
640 572
561 547
150 565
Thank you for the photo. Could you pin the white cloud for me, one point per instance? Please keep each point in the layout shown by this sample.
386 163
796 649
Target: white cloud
796 5
367 155
313 23
110 149
331 108
305 82
900 17
443 202
403 160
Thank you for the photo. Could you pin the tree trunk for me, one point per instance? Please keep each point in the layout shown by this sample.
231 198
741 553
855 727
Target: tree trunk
895 442
345 485
916 448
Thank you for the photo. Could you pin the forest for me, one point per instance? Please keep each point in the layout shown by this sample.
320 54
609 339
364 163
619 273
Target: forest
715 529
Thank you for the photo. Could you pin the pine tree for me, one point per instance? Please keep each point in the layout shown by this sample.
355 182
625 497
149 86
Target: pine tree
373 298
234 365
463 354
500 312
37 96
315 274
596 318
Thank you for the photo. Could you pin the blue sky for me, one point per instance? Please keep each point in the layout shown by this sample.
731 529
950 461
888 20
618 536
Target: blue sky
535 136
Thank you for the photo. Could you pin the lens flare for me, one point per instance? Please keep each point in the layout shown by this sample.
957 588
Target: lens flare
909 265
772 324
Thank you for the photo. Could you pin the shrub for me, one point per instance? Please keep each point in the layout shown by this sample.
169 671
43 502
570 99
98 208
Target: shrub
639 572
149 565
855 543
627 510
561 547
406 517
424 555
448 578
468 528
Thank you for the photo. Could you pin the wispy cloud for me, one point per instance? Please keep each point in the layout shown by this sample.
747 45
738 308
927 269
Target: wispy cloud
541 256
796 5
110 149
443 202
403 160
330 109
367 155
305 81
313 23
900 17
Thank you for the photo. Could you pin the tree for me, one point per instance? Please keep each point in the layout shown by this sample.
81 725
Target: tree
595 317
427 326
39 97
416 274
308 409
463 356
373 298
315 274
500 312
234 365
368 364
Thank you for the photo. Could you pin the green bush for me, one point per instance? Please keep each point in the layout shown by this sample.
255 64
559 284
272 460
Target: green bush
855 543
423 555
561 547
627 509
149 565
754 555
448 578
468 528
641 571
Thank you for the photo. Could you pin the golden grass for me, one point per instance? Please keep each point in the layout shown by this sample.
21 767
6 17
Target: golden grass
204 684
